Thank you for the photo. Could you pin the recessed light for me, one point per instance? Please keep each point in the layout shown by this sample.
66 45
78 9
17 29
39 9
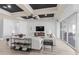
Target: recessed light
4 6
9 6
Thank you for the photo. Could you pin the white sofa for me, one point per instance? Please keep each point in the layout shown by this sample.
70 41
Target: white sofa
37 43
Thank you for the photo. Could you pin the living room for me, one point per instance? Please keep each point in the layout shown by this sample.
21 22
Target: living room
42 29
31 31
28 27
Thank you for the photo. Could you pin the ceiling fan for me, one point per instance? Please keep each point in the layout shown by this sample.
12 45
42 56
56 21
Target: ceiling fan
34 16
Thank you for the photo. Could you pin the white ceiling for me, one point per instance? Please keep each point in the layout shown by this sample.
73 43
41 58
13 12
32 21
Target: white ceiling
28 11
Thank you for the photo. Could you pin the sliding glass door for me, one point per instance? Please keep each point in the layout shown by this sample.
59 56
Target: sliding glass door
72 30
68 30
64 32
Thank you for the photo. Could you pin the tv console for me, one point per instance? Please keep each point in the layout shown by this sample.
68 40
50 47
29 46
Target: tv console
39 33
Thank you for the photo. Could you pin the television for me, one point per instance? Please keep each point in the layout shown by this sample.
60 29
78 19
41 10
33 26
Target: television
39 28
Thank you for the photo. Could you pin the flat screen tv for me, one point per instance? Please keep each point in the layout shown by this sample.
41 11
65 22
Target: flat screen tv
39 28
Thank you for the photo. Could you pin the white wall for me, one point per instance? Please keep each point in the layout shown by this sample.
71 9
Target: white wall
22 27
28 27
49 23
1 27
77 40
14 26
8 27
58 30
68 9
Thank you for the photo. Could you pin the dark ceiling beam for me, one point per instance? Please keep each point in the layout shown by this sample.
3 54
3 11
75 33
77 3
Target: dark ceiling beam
41 6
